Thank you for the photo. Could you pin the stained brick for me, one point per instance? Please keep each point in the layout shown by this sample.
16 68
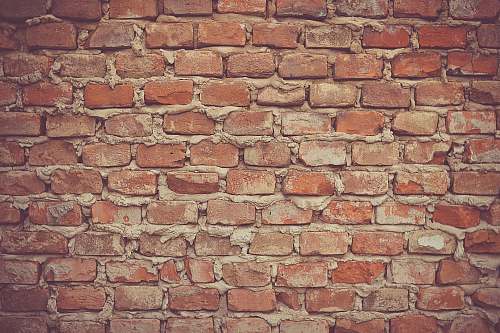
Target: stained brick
275 35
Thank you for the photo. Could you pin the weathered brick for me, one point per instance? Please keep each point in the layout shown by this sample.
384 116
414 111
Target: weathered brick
20 123
17 10
456 215
387 300
24 300
208 245
332 95
134 125
308 183
386 95
285 212
364 8
487 297
7 93
426 152
485 92
106 212
190 298
80 298
388 37
415 123
244 300
52 152
316 153
359 122
247 274
172 212
323 243
47 94
252 7
413 324
20 64
187 8
364 182
193 182
200 63
129 65
413 271
161 155
70 270
86 9
358 66
133 182
358 272
482 241
442 36
271 244
274 154
111 36
440 298
8 41
466 63
431 242
190 325
76 181
79 326
99 96
417 8
106 155
348 212
375 153
247 325
255 65
416 65
10 214
290 298
138 298
82 65
291 326
250 182
474 10
134 325
311 8
154 245
55 213
199 270
99 244
333 37
169 35
36 242
19 272
223 34
169 93
381 243
188 123
225 93
20 183
308 275
329 300
129 9
493 215
464 323
488 35
62 126
457 272
275 35
293 96
398 213
471 122
435 183
303 123
52 35
230 213
303 66
483 150
249 123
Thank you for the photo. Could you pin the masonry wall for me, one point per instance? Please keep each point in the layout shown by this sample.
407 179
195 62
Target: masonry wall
249 166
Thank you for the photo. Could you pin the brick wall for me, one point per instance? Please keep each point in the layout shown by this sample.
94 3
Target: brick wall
249 166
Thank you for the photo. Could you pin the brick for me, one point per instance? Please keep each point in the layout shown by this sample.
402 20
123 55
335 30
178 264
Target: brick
290 299
431 242
381 243
250 182
161 155
168 272
106 212
434 183
302 275
294 96
80 298
333 37
247 325
8 41
471 122
440 298
98 96
7 93
190 298
439 94
285 212
53 35
172 212
426 152
153 245
375 153
200 63
483 150
457 272
364 182
193 182
364 8
385 95
134 125
53 152
249 123
329 300
82 65
273 154
474 10
415 123
129 9
271 244
358 66
188 123
47 94
323 243
456 216
99 244
17 10
190 325
347 325
106 155
169 93
493 215
129 65
488 35
304 123
485 92
199 271
76 181
63 126
247 274
416 65
387 300
303 66
243 300
487 297
230 213
332 95
111 36
413 324
20 64
19 272
11 153
208 245
464 323
275 35
169 35
225 93
133 182
70 270
55 213
10 214
413 271
20 123
138 298
86 9
348 212
388 37
359 122
254 65
318 326
223 34
134 325
442 36
24 324
358 272
308 183
20 183
251 7
316 153
190 8
311 8
79 326
418 8
466 63
398 213
482 241
24 300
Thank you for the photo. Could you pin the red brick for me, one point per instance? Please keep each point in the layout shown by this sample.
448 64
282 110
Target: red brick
199 270
10 214
70 270
247 325
252 7
76 181
414 324
53 152
335 37
255 65
431 242
323 243
290 299
11 153
358 272
328 95
133 182
24 300
375 153
169 35
161 155
275 35
485 92
20 183
153 245
487 297
19 272
24 324
456 216
225 93
439 94
80 298
440 298
106 212
281 97
397 213
413 271
417 8
381 243
7 93
187 8
415 123
168 272
389 37
488 35
172 212
301 8
125 9
20 123
208 245
99 96
275 154
493 215
190 298
466 323
442 36
247 274
190 325
303 66
318 326
53 35
230 213
285 212
134 125
55 213
302 275
62 126
20 64
86 9
223 33
250 182
364 182
188 123
23 9
358 66
111 36
138 298
435 183
243 300
106 155
426 152
129 65
316 153
387 300
364 8
304 123
329 300
99 244
457 272
193 182
79 326
416 65
465 63
483 150
200 63
8 41
471 122
134 325
169 93
387 95
36 242
348 212
308 183
82 65
482 241
359 122
271 244
369 326
249 123
47 94
476 10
